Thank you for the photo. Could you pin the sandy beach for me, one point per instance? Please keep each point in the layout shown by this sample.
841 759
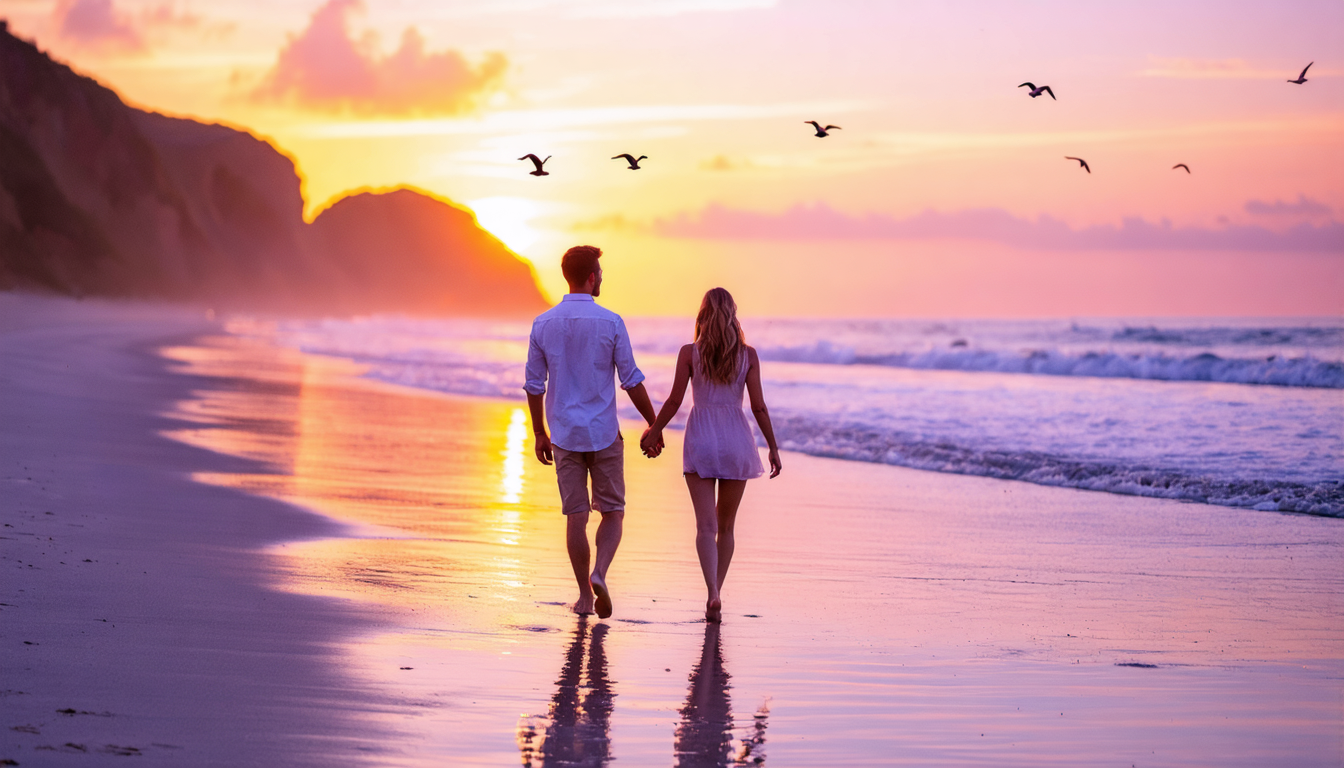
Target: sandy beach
224 553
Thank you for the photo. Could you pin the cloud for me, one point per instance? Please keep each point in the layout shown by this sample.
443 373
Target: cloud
100 26
325 68
168 15
97 25
505 121
1305 207
820 222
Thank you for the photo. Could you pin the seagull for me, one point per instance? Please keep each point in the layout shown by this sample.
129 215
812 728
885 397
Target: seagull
634 161
1181 165
537 162
1038 91
1302 78
821 132
1081 162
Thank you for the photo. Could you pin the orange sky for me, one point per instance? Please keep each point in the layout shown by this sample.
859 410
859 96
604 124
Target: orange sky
737 191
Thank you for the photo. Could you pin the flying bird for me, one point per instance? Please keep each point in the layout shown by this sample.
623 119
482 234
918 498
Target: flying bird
1081 162
1181 165
537 162
1302 78
1038 91
633 161
821 132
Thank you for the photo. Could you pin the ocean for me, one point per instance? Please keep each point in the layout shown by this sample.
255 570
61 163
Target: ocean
1234 412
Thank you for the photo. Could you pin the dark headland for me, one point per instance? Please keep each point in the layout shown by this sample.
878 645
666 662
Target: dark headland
98 198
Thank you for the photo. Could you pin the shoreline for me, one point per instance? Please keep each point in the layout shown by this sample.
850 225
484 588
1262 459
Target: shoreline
136 597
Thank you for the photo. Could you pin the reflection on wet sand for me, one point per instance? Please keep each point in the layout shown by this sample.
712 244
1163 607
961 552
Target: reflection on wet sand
577 731
705 735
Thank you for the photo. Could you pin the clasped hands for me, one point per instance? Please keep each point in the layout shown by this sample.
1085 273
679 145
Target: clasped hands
651 443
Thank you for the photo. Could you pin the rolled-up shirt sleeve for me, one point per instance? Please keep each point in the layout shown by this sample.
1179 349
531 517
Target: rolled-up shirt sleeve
626 370
534 382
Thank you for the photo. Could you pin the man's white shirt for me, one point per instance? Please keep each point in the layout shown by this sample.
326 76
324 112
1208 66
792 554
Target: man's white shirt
581 348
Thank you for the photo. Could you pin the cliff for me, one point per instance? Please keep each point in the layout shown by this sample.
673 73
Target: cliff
377 239
99 198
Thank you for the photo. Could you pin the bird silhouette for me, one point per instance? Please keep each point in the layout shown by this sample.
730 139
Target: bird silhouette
1038 91
1181 165
1081 162
537 162
634 161
1302 78
822 132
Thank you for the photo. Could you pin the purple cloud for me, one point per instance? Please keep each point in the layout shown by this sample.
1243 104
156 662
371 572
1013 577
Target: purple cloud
1304 206
96 24
326 68
819 222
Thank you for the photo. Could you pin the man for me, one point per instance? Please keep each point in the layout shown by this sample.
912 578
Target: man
575 351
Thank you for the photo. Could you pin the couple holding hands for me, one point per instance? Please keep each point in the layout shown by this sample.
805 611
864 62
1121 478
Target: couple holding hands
575 352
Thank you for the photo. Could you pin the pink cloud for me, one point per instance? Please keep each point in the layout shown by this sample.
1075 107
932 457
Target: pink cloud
820 222
96 24
1304 207
326 68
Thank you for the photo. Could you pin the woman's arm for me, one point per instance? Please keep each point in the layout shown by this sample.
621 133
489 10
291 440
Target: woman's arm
653 436
759 410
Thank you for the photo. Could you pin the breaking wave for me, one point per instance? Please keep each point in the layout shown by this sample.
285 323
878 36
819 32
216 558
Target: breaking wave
856 442
1304 371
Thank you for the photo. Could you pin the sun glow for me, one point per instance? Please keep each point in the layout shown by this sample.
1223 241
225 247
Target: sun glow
507 219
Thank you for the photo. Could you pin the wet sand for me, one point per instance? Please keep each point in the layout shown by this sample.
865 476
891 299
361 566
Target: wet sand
873 615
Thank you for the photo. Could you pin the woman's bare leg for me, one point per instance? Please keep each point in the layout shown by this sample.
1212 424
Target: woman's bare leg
730 496
706 533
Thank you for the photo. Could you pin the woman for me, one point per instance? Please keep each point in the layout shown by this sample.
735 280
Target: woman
719 452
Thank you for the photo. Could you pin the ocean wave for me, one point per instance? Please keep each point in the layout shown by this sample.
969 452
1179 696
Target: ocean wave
856 442
1308 335
1304 371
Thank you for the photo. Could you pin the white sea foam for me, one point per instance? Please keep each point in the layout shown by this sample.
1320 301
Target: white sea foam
860 442
1204 366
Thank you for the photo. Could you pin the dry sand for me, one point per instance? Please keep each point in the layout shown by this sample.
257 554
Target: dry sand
874 615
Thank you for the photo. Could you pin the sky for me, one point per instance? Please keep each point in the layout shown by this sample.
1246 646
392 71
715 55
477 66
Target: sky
944 193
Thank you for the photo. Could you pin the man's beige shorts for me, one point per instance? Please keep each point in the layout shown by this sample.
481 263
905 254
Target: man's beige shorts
607 468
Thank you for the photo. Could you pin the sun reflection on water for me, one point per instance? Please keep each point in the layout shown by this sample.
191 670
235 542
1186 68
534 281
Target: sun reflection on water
512 484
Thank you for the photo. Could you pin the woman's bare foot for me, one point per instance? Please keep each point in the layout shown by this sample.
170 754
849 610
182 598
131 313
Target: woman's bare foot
583 606
714 611
603 603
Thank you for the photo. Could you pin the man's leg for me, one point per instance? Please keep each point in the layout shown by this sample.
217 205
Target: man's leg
608 472
576 540
608 539
571 472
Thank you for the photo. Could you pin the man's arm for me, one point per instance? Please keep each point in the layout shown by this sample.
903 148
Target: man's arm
535 385
536 404
640 397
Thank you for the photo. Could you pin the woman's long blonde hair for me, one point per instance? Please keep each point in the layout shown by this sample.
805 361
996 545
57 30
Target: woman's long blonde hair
719 337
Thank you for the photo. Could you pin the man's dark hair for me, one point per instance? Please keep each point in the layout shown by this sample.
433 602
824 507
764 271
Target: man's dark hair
578 263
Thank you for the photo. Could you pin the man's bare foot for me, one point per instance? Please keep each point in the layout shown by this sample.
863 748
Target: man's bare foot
603 603
583 606
714 611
